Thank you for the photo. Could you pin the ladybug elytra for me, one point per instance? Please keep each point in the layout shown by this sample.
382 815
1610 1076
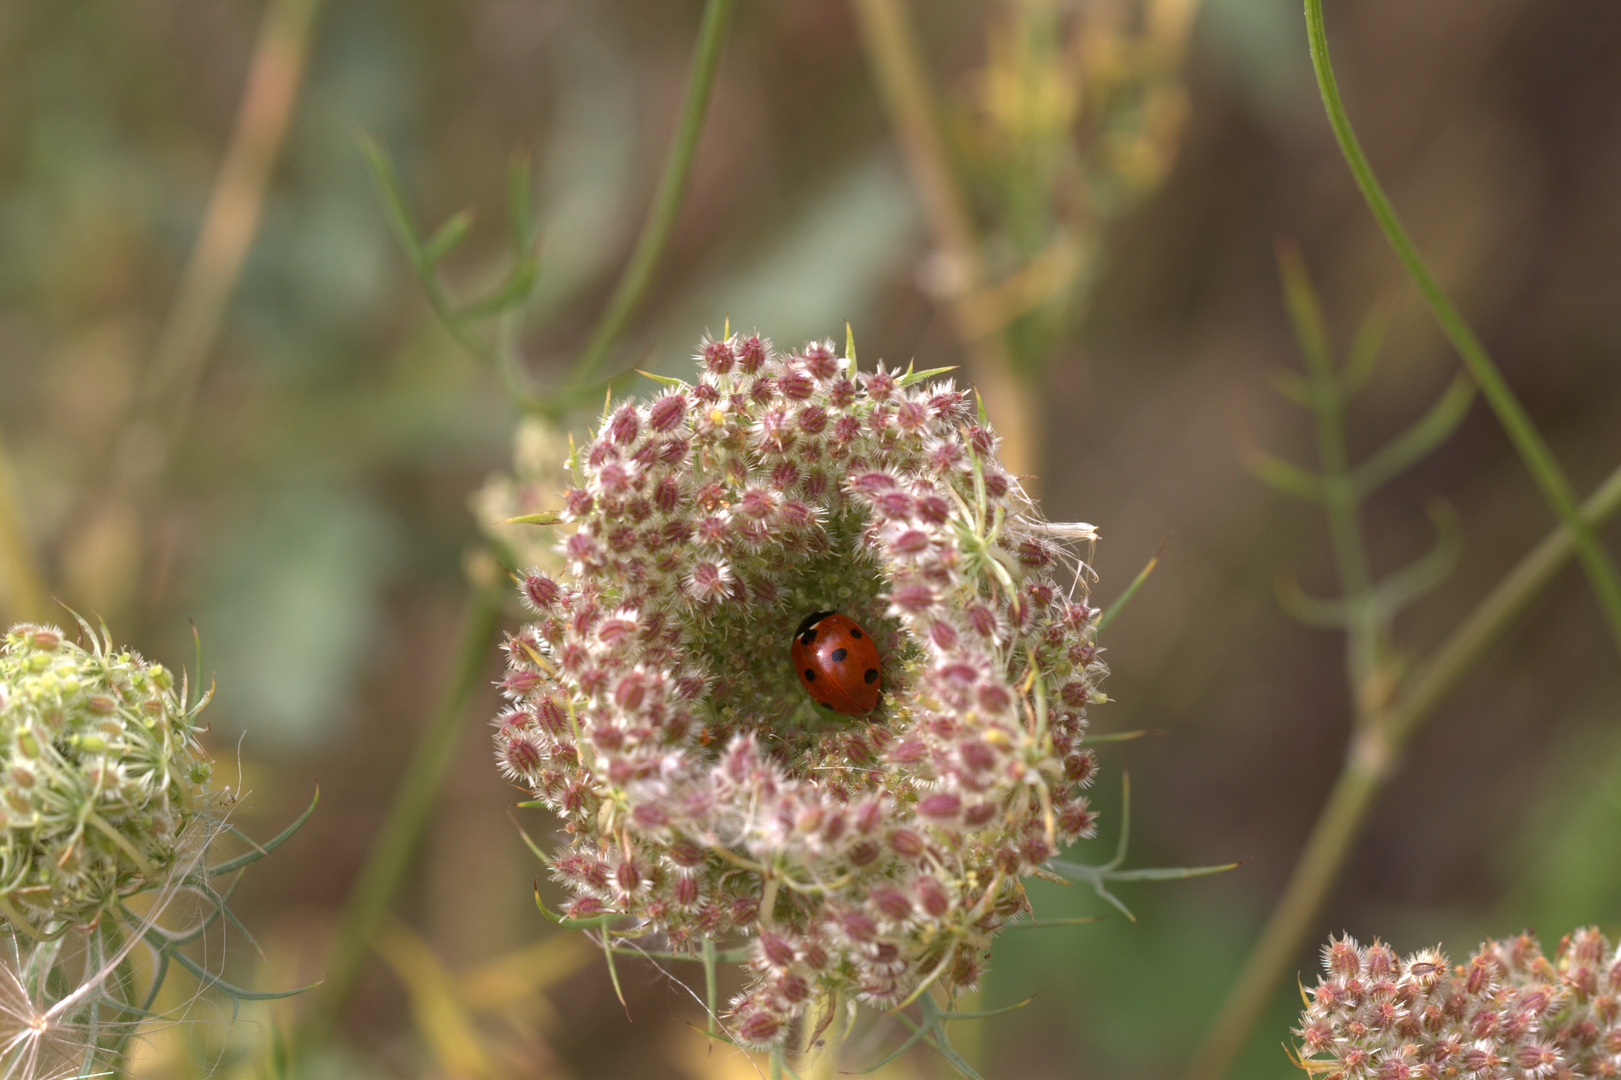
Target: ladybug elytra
836 663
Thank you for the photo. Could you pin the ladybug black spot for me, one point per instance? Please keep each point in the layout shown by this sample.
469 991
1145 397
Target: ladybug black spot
871 675
839 655
807 637
810 675
855 631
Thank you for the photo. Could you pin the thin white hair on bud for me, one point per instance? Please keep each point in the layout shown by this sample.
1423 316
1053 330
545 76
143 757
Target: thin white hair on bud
42 1039
1068 532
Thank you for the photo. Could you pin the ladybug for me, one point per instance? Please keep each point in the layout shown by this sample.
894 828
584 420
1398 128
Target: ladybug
836 662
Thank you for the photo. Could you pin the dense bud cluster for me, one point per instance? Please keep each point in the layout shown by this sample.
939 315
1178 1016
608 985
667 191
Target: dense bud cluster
100 775
1510 1012
705 796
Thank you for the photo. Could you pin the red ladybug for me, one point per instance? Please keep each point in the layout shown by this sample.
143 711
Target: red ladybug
836 662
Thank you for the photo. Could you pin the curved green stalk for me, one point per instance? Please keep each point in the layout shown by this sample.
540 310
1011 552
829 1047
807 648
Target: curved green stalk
1533 450
1374 751
667 200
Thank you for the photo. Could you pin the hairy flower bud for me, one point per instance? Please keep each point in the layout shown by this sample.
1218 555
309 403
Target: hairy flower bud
1376 1015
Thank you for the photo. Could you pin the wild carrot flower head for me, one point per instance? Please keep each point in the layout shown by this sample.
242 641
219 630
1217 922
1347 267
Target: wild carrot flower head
1510 1011
100 775
652 705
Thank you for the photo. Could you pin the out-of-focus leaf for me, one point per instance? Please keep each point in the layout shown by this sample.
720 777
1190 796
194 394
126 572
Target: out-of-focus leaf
1285 476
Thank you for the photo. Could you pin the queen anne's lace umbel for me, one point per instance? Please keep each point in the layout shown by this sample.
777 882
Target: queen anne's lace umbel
705 796
1510 1012
101 775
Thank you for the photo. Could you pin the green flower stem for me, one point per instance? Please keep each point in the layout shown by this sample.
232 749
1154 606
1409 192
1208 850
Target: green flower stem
406 822
1374 750
1492 617
1340 495
1521 431
667 200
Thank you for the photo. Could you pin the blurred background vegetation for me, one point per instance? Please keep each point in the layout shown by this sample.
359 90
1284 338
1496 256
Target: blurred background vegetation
301 493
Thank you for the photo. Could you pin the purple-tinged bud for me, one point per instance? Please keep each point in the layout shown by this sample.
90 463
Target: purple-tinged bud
976 755
541 591
752 352
757 503
908 752
791 988
776 950
649 816
820 360
628 876
932 896
940 806
578 502
909 543
911 416
863 853
757 1028
718 357
993 697
932 509
520 682
686 854
796 385
522 756
584 907
906 843
911 597
667 413
871 483
891 902
625 425
879 384
858 927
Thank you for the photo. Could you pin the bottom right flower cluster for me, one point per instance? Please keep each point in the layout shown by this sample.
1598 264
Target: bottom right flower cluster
1509 1012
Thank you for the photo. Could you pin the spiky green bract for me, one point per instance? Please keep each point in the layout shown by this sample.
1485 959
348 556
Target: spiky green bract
706 797
1510 1012
100 774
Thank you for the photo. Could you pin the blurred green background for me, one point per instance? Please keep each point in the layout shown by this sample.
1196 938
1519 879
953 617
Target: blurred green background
311 516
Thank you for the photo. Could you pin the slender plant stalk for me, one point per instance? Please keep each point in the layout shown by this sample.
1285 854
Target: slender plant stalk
896 60
1374 751
1538 458
234 209
671 193
1340 496
406 821
22 583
